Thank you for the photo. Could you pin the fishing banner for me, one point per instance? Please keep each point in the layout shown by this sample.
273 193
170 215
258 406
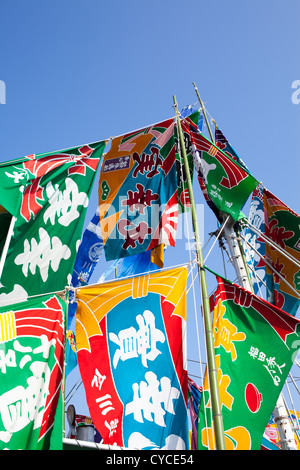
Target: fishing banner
255 247
282 226
183 193
48 195
194 398
223 144
226 185
256 344
31 371
88 255
131 353
138 197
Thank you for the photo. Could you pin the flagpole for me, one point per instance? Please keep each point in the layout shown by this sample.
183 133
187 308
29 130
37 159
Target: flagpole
211 360
204 113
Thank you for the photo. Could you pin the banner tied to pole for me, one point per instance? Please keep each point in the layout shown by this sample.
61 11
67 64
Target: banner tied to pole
282 226
225 183
255 246
48 194
31 372
131 353
138 195
256 344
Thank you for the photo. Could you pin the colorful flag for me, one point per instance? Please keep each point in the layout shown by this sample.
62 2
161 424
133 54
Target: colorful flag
223 144
188 121
131 355
31 370
225 184
256 344
138 197
282 226
48 194
71 353
194 394
88 255
254 246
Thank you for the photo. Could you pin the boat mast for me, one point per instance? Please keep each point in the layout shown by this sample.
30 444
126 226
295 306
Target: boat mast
211 361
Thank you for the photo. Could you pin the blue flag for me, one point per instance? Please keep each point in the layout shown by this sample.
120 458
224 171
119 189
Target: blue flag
88 255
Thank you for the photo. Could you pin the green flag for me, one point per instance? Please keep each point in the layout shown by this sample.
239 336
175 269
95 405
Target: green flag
31 371
225 184
256 344
186 124
48 195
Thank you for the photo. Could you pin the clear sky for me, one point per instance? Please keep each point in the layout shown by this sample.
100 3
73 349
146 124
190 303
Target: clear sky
85 70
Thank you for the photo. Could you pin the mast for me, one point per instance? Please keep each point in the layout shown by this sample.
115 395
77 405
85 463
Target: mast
211 361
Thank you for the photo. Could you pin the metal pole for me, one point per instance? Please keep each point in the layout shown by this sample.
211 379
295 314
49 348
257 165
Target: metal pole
211 361
237 259
204 113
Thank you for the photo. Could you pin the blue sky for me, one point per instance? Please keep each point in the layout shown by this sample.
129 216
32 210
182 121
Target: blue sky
80 71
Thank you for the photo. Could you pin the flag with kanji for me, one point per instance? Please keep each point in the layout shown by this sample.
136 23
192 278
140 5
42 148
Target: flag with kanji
138 196
282 226
31 372
254 246
130 337
255 346
48 195
225 184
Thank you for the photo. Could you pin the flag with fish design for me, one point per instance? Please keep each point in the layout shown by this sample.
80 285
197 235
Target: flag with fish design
31 371
256 344
48 195
282 226
225 184
138 197
254 246
130 338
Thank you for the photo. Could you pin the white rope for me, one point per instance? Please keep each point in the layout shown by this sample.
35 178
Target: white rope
217 237
272 268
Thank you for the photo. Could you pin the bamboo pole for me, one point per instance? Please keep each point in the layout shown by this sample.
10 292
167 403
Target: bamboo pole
204 113
211 361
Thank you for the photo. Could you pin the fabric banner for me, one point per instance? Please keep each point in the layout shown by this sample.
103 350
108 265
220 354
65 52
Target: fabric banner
225 184
282 226
223 144
138 197
183 194
256 344
131 353
257 266
31 370
48 194
88 255
194 394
